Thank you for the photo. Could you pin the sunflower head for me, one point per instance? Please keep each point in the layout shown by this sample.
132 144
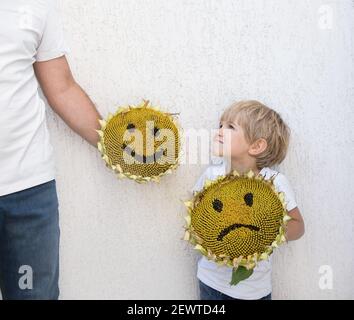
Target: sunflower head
237 220
140 142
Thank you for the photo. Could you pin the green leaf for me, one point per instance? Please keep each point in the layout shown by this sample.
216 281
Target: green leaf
239 274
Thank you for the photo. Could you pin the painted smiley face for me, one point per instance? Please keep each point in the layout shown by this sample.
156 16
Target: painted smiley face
153 132
142 142
237 217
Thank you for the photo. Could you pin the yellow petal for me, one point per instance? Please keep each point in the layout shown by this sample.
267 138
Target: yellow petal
198 239
145 103
237 261
208 183
263 256
269 250
235 173
250 174
198 247
250 265
188 220
103 123
255 257
100 133
188 204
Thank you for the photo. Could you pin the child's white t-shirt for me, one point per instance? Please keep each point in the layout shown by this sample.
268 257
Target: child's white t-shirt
217 277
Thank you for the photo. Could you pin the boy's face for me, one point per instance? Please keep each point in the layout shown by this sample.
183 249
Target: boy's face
230 141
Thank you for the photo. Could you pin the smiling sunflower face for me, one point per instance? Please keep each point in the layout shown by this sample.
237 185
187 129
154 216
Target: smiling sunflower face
237 220
141 143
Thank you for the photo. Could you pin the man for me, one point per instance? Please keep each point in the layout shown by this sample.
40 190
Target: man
32 48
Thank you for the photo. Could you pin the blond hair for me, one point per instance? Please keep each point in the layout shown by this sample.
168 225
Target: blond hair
259 121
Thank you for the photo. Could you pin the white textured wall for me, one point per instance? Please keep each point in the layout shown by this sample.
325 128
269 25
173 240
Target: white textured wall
123 240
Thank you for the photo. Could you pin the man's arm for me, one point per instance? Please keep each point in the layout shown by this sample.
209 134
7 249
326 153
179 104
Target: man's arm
67 98
295 228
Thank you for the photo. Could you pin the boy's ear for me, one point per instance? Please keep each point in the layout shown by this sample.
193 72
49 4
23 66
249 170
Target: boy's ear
257 147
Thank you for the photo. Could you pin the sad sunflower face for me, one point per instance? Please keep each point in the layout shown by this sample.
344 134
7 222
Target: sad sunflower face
237 218
141 143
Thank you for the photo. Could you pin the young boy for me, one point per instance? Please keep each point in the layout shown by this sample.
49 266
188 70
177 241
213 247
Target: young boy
253 137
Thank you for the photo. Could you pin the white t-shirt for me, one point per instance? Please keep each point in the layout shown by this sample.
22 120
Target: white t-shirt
30 31
217 277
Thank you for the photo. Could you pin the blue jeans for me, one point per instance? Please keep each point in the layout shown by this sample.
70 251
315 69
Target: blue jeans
29 244
207 293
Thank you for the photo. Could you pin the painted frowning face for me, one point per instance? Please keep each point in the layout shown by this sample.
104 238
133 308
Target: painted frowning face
142 141
237 217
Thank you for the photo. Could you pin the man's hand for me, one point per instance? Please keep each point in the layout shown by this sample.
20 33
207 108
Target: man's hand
67 98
